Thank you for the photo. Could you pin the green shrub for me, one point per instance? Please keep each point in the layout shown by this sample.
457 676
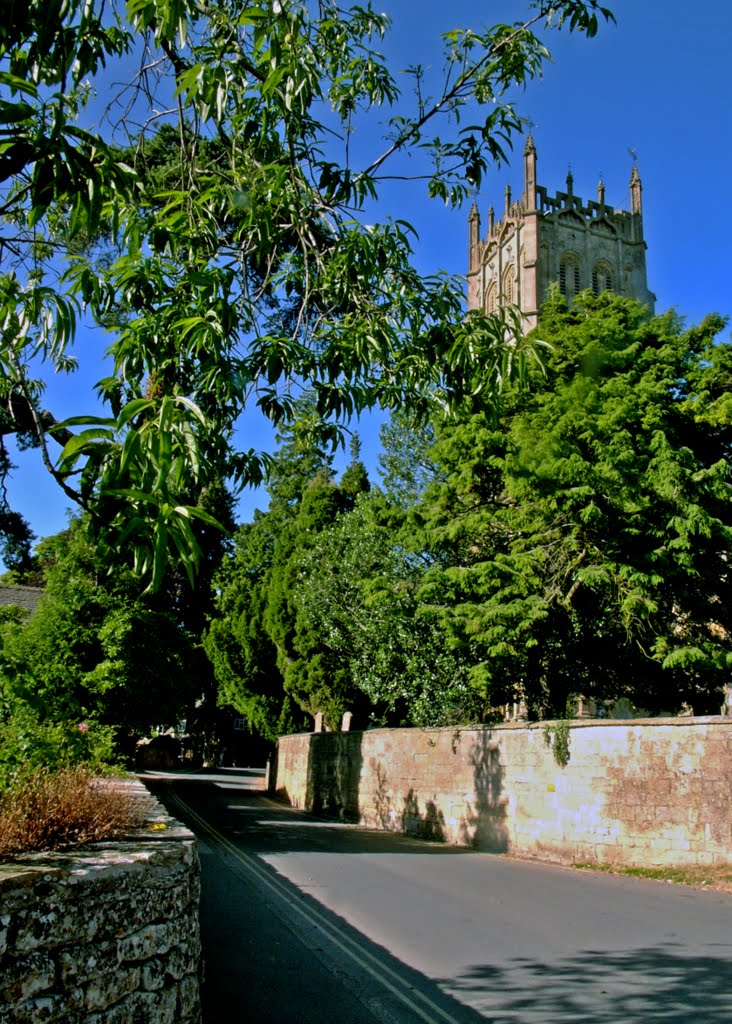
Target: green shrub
32 739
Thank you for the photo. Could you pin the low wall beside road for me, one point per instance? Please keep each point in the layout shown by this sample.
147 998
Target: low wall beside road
654 792
108 934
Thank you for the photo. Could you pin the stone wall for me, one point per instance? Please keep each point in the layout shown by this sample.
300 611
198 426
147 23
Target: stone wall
103 935
651 792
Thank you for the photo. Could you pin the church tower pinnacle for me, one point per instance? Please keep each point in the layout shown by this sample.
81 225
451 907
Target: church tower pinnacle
474 237
635 191
529 175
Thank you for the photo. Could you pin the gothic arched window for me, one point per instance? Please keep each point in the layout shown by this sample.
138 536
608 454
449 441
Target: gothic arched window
491 298
602 278
569 275
507 289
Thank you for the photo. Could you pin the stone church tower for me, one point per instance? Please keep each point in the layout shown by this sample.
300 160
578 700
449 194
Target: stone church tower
544 238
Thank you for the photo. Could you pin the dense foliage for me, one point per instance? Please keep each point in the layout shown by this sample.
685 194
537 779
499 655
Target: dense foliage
358 592
94 660
98 664
581 541
263 652
573 541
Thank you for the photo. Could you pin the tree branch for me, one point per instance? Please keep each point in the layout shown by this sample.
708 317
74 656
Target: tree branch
26 419
449 95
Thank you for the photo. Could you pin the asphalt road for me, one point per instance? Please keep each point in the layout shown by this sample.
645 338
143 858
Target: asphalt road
310 921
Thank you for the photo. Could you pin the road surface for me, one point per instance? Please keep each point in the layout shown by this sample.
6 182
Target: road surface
305 920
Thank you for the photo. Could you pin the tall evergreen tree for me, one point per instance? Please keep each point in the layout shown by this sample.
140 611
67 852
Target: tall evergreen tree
264 666
315 679
582 544
241 653
355 479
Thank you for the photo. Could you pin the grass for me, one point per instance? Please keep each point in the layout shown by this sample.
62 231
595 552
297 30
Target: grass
66 808
717 876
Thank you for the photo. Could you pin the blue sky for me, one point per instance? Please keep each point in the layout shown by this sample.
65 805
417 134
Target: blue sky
657 83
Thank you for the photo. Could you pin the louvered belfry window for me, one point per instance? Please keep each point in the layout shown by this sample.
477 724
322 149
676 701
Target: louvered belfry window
602 278
569 275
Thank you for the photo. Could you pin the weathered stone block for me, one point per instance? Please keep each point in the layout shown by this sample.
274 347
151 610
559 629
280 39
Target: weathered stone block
152 940
5 920
187 997
49 1009
22 977
79 964
181 960
107 989
140 1008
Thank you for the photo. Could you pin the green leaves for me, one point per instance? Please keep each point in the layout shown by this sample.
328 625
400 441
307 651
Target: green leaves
96 652
581 542
35 320
572 537
319 602
577 14
137 465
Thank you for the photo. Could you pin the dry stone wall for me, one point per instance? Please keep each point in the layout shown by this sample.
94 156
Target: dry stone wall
645 793
104 935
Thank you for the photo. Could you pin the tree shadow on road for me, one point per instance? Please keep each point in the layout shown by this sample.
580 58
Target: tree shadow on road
272 827
636 986
252 973
273 953
264 965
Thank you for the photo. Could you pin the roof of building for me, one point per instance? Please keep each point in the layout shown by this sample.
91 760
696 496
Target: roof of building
26 598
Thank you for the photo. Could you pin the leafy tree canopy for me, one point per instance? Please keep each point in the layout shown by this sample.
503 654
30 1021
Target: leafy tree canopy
582 544
318 609
95 651
572 539
248 263
357 592
267 658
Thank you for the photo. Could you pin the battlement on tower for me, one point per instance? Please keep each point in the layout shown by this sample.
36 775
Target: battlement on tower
592 210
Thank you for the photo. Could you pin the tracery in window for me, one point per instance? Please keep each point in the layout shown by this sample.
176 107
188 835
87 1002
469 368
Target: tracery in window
491 297
602 278
569 275
507 289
